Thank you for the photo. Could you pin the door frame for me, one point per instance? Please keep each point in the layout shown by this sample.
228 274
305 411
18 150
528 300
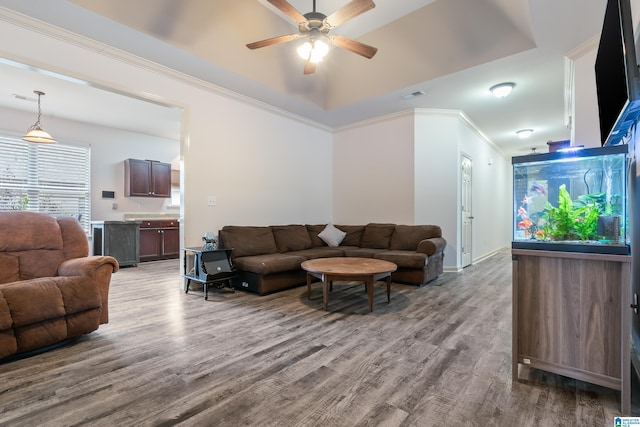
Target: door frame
464 261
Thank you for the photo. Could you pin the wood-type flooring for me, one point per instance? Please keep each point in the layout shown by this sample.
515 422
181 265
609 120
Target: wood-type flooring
436 355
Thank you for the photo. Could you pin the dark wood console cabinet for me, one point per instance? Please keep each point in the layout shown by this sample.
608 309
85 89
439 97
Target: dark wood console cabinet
118 239
147 178
159 240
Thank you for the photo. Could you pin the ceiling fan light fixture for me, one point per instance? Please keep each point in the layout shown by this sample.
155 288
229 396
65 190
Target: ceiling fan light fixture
35 133
502 90
314 50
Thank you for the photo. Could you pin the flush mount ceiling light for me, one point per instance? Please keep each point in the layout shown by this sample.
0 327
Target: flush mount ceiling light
524 133
501 90
35 133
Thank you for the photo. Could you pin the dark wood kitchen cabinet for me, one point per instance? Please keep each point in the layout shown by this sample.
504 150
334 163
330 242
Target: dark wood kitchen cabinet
147 178
159 240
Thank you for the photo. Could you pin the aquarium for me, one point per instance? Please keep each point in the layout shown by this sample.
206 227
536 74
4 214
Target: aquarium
571 200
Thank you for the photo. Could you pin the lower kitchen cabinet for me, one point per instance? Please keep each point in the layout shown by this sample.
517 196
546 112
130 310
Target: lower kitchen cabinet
159 240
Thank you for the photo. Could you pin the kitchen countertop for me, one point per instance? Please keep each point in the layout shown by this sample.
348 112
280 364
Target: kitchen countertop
142 216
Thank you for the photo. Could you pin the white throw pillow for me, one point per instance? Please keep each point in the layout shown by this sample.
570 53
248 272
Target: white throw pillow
331 235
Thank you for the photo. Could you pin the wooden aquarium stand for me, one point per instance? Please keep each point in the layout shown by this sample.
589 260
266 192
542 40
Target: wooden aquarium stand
572 316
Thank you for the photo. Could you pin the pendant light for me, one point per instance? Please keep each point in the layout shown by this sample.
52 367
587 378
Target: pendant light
35 133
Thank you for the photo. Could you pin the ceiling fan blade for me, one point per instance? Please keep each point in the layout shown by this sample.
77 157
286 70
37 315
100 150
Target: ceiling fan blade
348 11
273 40
354 46
309 67
288 10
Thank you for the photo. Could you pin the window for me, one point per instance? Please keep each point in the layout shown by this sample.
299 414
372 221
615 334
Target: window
51 178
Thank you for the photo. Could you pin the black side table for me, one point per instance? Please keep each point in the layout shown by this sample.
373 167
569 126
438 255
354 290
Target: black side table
209 267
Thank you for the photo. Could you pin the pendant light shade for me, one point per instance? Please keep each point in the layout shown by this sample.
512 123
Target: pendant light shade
35 133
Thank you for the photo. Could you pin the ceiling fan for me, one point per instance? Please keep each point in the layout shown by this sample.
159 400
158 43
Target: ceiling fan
316 27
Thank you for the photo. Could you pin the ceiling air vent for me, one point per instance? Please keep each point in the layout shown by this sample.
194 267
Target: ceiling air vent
413 94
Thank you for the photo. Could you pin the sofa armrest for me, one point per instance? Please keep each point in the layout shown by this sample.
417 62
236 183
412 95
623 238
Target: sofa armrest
86 266
432 245
99 268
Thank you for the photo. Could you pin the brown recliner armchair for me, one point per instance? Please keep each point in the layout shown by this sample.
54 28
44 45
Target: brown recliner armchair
50 289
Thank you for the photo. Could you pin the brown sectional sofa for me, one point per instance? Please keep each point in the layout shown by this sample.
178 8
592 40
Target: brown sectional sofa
268 258
50 289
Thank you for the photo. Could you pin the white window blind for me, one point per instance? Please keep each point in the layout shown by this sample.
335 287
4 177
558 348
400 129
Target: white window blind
51 178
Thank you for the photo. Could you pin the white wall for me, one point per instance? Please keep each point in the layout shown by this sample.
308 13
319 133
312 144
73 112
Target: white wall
437 177
492 188
255 161
405 169
373 172
586 122
263 168
109 148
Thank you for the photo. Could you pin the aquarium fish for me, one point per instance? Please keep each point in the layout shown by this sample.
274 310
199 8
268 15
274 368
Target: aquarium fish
523 212
537 188
525 223
526 200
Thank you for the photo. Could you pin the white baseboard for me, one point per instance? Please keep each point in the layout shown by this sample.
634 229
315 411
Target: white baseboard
458 268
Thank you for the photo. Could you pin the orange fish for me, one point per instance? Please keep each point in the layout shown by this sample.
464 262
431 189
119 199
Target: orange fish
525 223
523 212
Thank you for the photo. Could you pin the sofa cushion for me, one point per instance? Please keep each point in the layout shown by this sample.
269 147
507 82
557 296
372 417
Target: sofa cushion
8 343
249 240
9 268
332 236
76 244
313 231
407 237
32 301
269 263
404 259
323 252
362 252
5 315
377 236
40 263
354 234
24 231
291 237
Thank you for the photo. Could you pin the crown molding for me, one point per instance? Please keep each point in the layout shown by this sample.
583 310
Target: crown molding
586 47
461 115
458 114
375 120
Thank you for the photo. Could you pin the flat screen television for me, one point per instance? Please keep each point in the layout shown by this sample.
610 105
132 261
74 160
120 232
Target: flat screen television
616 71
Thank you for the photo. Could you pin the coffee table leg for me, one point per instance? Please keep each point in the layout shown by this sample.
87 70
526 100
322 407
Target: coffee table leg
388 288
325 292
308 286
369 284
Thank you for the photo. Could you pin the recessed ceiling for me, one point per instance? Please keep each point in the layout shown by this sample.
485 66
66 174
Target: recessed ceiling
453 50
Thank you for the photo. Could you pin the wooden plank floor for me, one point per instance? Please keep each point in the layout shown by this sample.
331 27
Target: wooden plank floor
437 355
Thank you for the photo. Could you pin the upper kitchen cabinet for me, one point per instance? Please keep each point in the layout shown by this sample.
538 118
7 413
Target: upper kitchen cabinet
147 178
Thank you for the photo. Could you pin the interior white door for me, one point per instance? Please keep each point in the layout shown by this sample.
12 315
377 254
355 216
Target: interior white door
467 217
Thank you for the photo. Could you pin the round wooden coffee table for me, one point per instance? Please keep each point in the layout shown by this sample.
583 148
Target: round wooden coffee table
367 270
